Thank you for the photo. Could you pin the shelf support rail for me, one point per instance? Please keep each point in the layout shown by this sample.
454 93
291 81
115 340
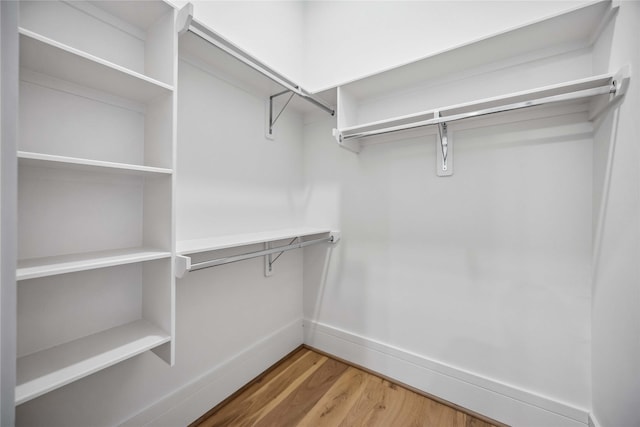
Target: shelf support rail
200 30
184 265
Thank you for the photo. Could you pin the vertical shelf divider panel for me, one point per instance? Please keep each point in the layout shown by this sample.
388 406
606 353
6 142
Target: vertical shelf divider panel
98 79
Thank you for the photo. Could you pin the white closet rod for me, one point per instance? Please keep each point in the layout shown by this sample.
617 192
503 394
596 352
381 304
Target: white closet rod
241 257
608 89
218 41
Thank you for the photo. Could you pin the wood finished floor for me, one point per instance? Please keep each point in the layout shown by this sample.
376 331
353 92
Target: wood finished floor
311 389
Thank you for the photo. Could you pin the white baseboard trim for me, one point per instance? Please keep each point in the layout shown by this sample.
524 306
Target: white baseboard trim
593 421
194 399
494 399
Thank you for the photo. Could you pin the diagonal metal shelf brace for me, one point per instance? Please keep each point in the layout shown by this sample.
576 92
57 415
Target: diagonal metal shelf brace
269 260
272 120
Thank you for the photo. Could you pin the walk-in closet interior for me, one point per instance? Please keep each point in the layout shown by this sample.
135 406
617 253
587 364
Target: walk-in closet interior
443 193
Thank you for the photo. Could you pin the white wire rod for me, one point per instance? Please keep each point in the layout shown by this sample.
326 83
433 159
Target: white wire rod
242 257
219 42
610 88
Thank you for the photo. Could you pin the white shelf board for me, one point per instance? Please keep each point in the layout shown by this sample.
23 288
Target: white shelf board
50 266
202 54
185 247
511 98
26 158
562 32
50 369
46 56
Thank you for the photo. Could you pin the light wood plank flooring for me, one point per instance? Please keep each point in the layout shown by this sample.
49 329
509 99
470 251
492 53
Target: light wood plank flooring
311 389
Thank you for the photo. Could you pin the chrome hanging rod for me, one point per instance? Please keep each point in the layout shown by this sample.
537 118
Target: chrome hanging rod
608 89
218 41
241 257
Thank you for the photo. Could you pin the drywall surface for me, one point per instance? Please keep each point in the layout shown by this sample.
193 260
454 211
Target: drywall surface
485 273
616 277
231 322
346 40
231 179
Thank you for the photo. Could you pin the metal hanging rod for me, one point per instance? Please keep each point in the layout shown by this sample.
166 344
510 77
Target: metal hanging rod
256 254
218 41
607 89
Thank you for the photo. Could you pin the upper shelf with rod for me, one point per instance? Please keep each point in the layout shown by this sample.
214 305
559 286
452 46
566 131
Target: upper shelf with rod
186 249
582 91
203 45
553 56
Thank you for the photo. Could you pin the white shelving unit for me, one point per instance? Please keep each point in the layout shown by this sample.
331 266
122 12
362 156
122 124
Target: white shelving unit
62 264
43 55
566 32
569 30
26 158
95 188
47 370
577 92
225 66
186 247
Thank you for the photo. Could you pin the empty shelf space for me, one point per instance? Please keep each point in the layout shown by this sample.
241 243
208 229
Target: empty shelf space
49 369
46 56
27 158
49 266
185 247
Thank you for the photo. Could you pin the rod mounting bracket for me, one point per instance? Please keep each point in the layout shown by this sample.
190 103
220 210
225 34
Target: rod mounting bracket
182 265
268 261
444 152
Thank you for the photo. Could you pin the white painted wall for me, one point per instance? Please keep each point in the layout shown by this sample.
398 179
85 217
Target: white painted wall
346 40
616 274
485 273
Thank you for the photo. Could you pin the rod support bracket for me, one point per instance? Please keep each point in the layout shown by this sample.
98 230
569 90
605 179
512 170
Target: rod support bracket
182 266
268 261
620 81
444 157
349 144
